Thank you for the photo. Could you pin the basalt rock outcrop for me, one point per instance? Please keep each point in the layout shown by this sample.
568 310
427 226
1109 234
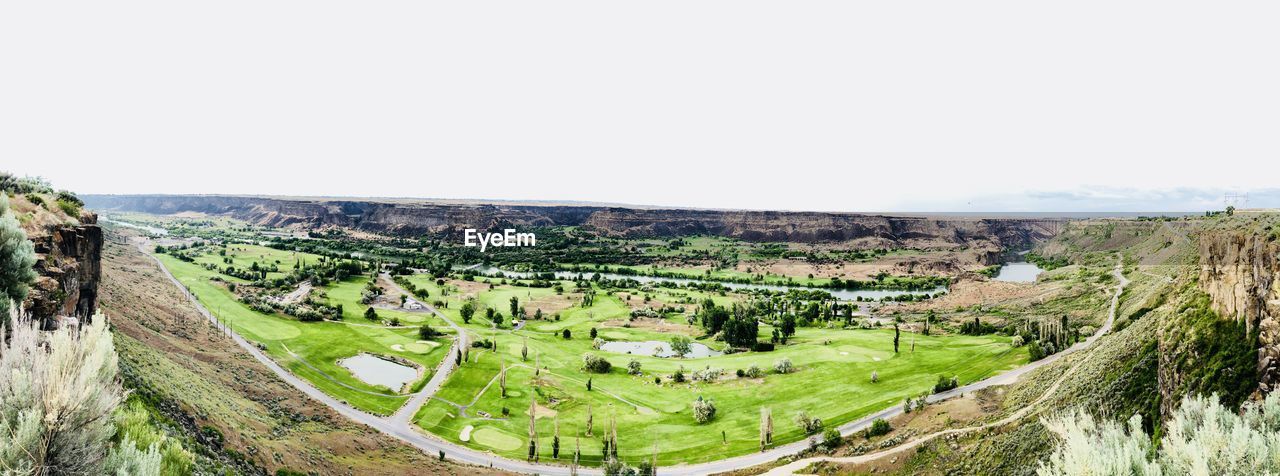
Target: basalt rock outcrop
68 268
1239 271
416 218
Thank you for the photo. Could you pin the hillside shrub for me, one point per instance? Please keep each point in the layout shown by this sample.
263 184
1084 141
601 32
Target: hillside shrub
1202 437
945 384
57 399
878 427
783 366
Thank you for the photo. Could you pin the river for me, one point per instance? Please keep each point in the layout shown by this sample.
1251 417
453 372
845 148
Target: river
1019 272
841 294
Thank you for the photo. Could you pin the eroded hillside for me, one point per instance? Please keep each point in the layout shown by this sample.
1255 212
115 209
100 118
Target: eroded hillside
410 218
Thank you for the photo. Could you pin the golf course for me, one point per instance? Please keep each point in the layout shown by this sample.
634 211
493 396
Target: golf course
535 362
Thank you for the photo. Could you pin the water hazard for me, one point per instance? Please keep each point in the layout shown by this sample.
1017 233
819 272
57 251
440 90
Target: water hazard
377 371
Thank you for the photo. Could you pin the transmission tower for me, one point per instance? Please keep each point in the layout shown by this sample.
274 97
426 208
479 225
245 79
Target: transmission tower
1237 200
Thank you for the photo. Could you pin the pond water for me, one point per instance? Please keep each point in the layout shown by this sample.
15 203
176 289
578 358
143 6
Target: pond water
376 371
657 349
149 229
1019 272
841 294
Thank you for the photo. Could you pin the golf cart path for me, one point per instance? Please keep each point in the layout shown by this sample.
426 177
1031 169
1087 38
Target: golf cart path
794 467
400 427
404 415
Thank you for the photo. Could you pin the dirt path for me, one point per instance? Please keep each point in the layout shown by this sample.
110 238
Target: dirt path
798 465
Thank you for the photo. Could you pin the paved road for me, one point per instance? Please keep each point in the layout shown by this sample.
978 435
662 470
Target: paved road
398 425
404 415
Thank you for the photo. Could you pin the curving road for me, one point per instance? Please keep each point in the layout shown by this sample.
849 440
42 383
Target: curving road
399 424
404 415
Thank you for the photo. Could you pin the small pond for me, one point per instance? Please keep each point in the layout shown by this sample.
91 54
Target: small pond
1019 272
377 371
657 348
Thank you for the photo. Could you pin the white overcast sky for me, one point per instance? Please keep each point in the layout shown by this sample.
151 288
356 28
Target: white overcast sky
817 105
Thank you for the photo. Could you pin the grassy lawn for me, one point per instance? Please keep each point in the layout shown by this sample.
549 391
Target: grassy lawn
832 382
319 344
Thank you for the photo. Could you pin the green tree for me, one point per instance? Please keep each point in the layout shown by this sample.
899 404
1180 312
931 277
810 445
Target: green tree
713 317
681 345
703 410
426 332
788 327
17 256
467 310
895 333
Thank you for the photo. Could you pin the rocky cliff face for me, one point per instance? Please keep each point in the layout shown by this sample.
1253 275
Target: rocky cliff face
1239 271
69 267
404 218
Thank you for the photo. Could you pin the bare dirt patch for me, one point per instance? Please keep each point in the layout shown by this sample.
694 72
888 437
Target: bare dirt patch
654 324
940 262
468 288
802 269
967 293
540 411
550 304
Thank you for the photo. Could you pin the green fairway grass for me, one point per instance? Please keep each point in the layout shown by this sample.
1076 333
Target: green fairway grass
832 382
311 349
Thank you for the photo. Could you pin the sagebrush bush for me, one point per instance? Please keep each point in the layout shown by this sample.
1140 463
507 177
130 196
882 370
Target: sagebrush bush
57 397
1203 437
